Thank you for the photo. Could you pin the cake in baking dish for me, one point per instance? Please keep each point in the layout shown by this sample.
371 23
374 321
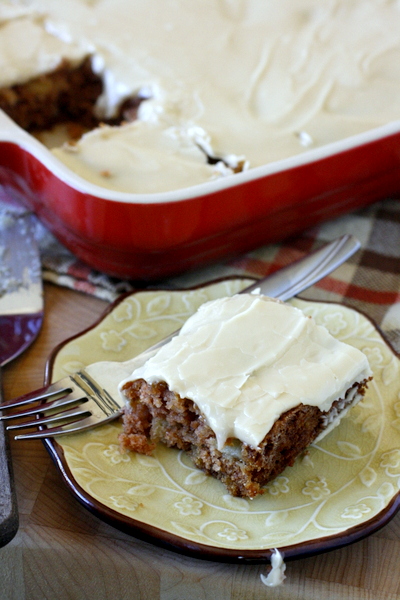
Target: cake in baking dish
244 388
187 92
65 95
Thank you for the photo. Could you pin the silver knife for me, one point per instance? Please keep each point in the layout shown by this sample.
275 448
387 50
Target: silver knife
21 316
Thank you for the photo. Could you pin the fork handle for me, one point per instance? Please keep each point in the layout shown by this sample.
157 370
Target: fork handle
45 393
8 499
288 281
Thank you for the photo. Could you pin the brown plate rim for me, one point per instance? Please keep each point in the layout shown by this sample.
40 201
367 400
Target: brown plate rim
170 541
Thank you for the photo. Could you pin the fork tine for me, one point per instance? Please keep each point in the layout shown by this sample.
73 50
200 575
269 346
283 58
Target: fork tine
39 394
78 426
50 432
67 416
61 404
65 412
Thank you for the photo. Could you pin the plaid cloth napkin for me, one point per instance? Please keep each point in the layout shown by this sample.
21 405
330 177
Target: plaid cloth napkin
369 281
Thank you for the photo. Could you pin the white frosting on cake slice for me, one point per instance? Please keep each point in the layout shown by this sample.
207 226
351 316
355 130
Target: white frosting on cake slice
247 359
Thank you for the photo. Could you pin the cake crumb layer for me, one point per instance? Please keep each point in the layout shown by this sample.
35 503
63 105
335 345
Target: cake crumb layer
155 414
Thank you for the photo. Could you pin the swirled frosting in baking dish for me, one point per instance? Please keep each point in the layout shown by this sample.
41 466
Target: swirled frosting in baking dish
248 81
247 359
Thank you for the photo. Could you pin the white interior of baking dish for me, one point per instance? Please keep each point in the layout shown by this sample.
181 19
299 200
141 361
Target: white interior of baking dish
317 79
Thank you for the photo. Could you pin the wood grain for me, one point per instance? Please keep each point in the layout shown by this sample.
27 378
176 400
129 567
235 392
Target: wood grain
63 552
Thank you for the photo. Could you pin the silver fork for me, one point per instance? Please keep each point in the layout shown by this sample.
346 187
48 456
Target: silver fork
79 401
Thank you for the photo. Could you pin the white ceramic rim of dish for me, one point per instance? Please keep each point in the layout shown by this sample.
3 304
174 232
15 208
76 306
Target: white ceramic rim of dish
11 132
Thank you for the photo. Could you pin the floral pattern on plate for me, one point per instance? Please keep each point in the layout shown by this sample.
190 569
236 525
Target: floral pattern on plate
345 480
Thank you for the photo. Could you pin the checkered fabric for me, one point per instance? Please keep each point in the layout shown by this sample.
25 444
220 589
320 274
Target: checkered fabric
369 281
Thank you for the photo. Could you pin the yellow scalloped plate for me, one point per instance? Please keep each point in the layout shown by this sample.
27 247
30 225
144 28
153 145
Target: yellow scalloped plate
341 490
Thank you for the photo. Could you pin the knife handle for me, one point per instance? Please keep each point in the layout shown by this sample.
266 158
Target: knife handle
9 520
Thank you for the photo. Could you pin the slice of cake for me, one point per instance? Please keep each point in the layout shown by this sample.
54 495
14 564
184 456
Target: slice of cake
244 388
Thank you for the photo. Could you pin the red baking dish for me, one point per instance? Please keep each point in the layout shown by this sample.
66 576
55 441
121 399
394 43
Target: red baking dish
151 236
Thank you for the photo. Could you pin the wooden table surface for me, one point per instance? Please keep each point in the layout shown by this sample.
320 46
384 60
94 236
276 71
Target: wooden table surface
61 551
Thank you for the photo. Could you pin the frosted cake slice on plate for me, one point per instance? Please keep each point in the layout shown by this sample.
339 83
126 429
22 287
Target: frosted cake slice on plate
244 388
